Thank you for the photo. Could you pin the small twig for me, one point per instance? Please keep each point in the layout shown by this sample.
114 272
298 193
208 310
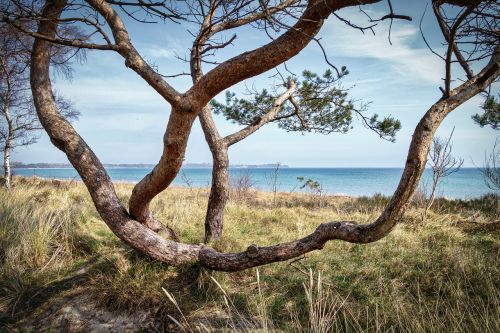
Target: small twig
392 16
176 75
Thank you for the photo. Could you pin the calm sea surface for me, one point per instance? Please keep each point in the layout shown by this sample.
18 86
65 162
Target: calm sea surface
467 183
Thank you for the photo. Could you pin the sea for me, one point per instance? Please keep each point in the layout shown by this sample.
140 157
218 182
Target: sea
466 183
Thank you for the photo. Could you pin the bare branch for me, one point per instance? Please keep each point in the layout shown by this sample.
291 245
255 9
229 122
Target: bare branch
218 46
491 168
67 42
442 164
132 58
268 56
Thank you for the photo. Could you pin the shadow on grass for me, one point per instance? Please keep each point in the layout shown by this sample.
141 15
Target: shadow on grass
35 296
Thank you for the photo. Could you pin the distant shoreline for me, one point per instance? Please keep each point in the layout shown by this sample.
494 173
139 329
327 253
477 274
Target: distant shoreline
139 166
466 183
69 167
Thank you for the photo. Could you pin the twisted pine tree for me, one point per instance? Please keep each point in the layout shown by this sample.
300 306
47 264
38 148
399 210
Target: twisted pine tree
468 29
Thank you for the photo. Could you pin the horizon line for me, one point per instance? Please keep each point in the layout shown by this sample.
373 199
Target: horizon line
207 165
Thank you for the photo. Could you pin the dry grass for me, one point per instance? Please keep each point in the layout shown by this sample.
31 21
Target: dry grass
439 277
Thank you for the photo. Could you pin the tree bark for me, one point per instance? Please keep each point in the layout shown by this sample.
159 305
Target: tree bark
185 107
260 60
219 190
7 145
174 147
90 169
9 136
6 163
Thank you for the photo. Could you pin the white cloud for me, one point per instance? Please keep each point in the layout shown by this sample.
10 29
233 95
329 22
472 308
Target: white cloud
159 52
125 94
403 57
125 124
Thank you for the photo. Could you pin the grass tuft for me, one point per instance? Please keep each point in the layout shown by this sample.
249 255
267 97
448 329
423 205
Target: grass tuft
437 276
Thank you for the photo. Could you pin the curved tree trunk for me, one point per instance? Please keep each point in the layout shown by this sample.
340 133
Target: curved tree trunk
219 190
185 107
93 174
219 194
175 142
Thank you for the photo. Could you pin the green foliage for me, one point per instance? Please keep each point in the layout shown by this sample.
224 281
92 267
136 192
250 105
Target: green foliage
491 115
320 105
310 184
323 106
243 111
385 128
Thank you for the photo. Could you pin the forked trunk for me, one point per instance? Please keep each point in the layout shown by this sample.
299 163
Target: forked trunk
219 192
174 147
92 172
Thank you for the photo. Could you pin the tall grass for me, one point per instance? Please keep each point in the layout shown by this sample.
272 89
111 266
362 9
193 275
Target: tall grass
439 277
37 231
326 310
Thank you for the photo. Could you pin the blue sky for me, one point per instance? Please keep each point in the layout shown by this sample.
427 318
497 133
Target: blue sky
123 119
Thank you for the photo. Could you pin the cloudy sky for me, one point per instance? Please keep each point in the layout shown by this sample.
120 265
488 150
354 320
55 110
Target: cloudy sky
123 119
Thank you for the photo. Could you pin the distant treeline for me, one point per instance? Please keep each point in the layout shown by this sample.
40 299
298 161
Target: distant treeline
138 165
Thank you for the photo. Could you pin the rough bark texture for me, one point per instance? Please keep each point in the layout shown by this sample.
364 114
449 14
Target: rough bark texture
177 132
174 147
219 190
93 174
132 58
269 56
187 106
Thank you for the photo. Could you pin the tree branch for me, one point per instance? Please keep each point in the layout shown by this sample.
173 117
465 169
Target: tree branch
252 17
456 50
67 42
350 231
132 57
268 117
268 56
88 166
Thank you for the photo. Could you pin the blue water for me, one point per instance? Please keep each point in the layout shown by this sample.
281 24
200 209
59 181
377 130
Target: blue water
466 183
